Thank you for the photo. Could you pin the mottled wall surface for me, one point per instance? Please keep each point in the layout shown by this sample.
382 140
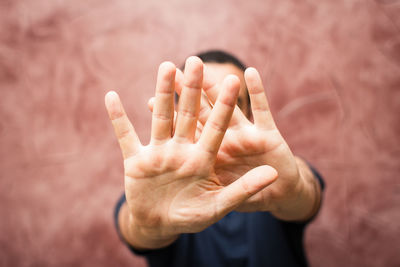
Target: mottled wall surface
332 70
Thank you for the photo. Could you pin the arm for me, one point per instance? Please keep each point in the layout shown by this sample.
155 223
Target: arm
305 202
167 191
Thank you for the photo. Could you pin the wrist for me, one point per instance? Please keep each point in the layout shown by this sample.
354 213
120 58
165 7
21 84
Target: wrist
314 191
302 202
141 237
310 191
291 206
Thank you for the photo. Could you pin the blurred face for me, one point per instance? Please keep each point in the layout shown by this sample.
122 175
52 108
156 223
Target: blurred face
220 71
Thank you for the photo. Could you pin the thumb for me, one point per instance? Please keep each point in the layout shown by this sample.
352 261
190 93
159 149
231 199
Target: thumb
243 188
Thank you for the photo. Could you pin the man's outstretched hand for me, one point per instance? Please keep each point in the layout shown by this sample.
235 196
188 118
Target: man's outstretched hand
171 184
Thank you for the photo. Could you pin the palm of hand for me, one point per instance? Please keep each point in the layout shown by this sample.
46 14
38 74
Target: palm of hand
248 145
245 148
187 186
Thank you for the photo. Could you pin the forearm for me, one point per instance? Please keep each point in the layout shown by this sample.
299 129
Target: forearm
306 199
138 237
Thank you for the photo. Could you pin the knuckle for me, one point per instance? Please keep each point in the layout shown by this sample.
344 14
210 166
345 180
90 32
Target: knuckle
186 113
216 126
246 188
228 101
162 117
262 108
122 133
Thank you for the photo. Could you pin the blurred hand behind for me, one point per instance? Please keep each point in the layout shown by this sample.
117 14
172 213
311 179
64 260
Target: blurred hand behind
247 145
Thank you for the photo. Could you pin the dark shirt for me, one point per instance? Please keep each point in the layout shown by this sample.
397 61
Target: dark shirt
239 239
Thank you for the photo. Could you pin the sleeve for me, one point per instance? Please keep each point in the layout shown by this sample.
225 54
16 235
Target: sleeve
321 182
318 176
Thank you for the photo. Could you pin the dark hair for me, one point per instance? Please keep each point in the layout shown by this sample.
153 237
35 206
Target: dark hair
219 56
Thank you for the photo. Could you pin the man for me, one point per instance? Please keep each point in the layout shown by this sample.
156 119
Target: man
212 188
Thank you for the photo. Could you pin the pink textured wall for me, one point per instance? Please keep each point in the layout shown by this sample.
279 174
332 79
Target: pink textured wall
332 69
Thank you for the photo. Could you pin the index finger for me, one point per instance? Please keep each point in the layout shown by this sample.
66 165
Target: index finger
216 125
127 138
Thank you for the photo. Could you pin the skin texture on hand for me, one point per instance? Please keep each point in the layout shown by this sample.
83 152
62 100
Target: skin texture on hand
171 185
247 145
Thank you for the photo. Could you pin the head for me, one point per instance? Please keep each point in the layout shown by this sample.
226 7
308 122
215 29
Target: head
221 63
